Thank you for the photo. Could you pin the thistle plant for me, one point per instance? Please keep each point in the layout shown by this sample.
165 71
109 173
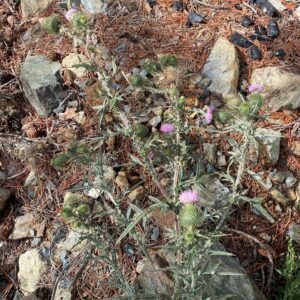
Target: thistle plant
52 24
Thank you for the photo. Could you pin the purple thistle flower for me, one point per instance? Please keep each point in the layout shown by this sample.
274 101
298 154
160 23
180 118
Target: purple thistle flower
189 196
166 128
70 13
256 87
208 117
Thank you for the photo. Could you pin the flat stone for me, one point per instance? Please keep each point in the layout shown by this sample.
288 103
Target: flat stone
42 84
281 88
137 193
269 145
222 67
297 12
213 192
152 281
5 194
34 8
155 121
27 226
64 291
94 6
279 197
122 182
75 59
31 269
290 179
165 220
277 4
211 152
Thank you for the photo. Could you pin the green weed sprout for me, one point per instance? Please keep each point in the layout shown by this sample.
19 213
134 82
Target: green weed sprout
74 210
168 61
52 24
138 81
152 67
79 21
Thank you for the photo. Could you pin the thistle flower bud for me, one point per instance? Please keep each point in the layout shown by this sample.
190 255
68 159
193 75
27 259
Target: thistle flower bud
168 61
79 20
189 215
152 67
51 24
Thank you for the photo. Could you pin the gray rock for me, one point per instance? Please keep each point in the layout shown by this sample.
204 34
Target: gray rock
152 281
222 161
213 192
94 6
222 67
42 84
27 226
211 152
279 177
33 8
155 121
64 291
281 89
269 145
290 180
31 269
278 5
5 194
294 232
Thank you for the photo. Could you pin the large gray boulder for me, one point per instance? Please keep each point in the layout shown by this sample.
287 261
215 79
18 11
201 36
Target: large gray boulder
281 88
94 6
42 84
222 67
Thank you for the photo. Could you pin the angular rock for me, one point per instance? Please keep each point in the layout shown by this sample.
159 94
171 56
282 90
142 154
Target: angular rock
42 84
33 8
279 197
222 67
297 12
239 40
73 59
213 192
211 152
64 291
4 196
296 148
31 269
281 89
269 145
277 4
165 220
152 281
94 6
137 193
27 226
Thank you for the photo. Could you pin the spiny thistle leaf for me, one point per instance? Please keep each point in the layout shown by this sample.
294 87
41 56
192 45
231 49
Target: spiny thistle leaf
79 21
168 61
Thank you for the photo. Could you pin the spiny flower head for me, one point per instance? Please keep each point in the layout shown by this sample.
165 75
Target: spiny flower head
166 128
256 87
189 196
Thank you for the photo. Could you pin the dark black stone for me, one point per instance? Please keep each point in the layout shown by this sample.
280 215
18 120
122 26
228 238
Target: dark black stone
254 52
273 30
194 18
178 5
280 53
152 3
260 30
237 39
263 38
267 8
5 77
246 21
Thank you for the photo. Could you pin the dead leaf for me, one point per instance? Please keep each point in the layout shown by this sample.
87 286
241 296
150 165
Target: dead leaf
69 114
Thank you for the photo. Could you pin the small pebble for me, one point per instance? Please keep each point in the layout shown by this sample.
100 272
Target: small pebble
273 30
254 53
151 3
194 18
278 208
246 21
238 6
280 53
237 39
178 5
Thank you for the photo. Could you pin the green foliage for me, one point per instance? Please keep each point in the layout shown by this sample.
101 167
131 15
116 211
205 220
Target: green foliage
168 61
138 81
75 210
79 152
52 24
223 115
141 130
79 21
152 67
